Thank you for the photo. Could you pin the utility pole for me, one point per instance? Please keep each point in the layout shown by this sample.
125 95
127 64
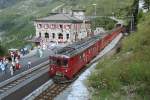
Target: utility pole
94 9
132 23
94 15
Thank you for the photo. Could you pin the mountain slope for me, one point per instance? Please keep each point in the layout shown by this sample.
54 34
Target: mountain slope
125 76
7 3
17 21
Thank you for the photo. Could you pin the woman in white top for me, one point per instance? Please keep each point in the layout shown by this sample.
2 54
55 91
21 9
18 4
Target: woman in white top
11 70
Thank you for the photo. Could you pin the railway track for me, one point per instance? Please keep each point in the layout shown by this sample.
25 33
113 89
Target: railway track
55 89
11 85
52 91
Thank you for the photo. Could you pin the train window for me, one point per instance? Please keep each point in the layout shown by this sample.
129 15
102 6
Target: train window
52 61
58 61
89 51
65 62
81 56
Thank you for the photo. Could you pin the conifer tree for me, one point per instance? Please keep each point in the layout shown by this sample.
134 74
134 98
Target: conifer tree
146 4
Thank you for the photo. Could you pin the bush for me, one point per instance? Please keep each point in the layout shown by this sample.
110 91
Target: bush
2 51
104 22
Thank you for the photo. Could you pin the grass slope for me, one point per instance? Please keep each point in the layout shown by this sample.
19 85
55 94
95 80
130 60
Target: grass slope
126 76
104 7
17 21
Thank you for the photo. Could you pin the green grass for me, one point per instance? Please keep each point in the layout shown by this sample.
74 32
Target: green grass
106 23
17 21
105 7
126 75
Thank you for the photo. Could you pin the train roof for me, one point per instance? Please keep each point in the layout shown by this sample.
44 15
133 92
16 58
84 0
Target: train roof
79 46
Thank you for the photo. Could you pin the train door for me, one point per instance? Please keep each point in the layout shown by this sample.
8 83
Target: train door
102 43
100 46
88 55
85 57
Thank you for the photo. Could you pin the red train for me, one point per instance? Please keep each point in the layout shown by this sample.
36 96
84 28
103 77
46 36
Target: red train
71 59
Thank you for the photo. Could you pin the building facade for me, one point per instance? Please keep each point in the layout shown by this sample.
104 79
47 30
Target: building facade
62 28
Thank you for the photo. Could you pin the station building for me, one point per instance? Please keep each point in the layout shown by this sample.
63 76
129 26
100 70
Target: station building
62 28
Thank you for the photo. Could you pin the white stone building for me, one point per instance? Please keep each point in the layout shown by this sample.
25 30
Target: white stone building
62 28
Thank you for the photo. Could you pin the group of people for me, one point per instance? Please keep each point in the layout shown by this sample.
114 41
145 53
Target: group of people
11 65
4 64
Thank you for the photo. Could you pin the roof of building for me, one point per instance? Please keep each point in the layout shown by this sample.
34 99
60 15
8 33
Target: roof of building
60 18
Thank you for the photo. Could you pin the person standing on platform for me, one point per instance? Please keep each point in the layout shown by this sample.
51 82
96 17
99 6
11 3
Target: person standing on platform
13 65
29 64
11 70
41 53
2 66
17 63
22 51
12 56
6 62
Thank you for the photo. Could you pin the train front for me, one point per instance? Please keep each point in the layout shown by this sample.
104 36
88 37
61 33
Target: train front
59 68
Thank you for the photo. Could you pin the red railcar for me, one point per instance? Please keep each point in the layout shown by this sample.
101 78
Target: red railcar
71 59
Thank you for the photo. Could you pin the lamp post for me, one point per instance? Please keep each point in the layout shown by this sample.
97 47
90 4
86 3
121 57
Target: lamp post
132 23
94 9
113 14
94 15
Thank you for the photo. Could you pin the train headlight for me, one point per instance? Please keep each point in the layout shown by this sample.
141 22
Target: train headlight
51 68
66 70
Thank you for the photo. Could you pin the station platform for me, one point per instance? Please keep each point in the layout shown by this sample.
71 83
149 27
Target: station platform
33 57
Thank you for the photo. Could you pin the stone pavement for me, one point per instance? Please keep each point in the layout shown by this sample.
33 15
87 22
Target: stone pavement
33 57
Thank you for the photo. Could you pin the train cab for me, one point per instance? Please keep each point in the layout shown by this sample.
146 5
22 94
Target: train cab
59 67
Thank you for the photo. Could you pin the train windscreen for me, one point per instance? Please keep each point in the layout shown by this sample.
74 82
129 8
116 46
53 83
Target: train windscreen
59 62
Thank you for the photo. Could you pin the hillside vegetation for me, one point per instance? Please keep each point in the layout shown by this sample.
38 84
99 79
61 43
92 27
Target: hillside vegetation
16 22
7 3
126 75
16 18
